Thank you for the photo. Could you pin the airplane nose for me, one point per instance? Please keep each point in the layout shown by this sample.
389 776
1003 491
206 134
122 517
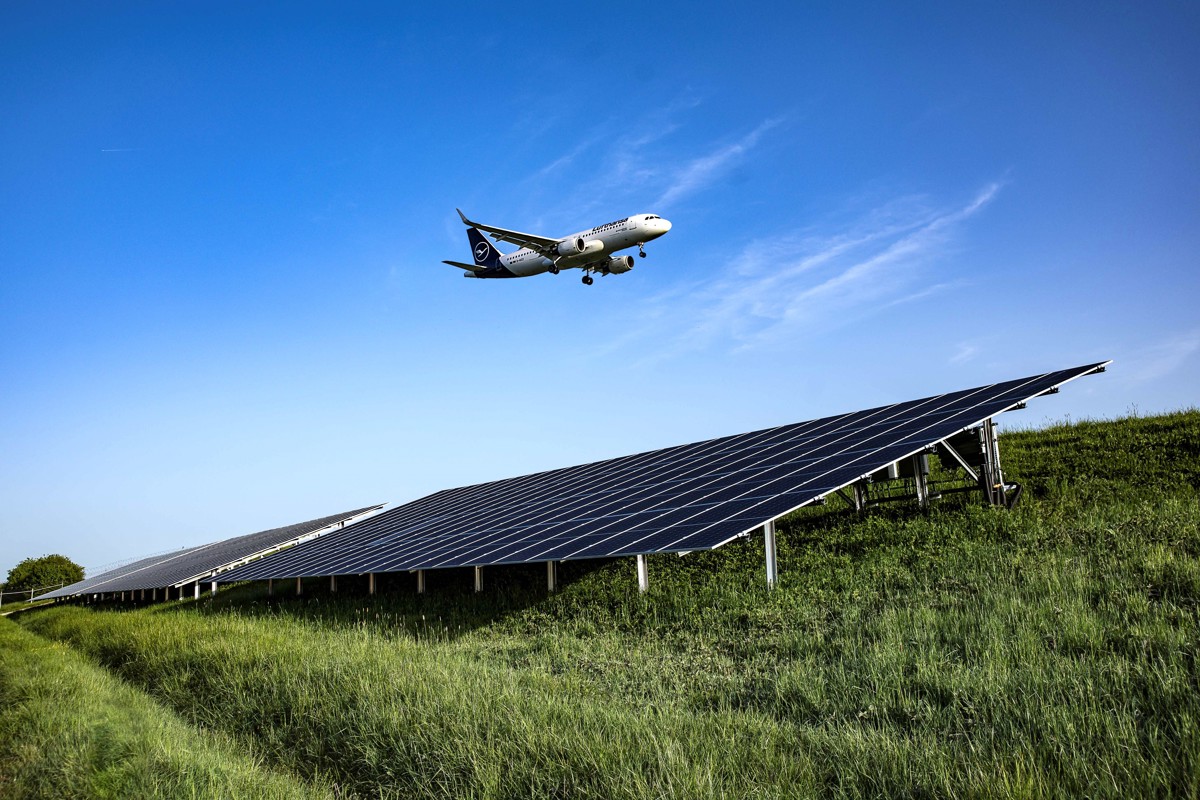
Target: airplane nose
664 224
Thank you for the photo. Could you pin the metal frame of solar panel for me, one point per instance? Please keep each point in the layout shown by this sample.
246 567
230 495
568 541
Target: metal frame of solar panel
192 565
679 499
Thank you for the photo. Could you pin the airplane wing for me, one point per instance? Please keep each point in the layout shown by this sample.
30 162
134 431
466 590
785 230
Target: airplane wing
540 243
461 265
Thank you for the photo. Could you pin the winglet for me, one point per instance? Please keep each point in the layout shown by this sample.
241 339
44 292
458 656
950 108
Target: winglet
464 217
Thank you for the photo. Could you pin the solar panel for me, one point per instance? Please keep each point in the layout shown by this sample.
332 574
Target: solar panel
679 499
195 563
90 585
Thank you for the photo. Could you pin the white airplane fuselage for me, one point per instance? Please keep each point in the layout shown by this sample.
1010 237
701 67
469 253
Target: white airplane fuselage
592 250
601 241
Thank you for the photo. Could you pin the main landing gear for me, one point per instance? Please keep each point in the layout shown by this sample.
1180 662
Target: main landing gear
587 280
554 270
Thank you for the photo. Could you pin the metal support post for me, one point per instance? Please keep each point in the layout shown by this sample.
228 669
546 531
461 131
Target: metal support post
299 587
122 596
920 481
370 583
551 576
769 549
997 472
857 499
333 583
991 478
643 574
270 587
479 579
196 590
420 581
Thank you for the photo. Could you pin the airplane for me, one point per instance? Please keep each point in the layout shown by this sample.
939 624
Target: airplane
590 250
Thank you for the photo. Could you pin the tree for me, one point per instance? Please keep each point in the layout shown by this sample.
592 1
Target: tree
34 573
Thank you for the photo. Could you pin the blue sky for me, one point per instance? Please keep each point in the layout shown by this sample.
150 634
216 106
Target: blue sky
221 228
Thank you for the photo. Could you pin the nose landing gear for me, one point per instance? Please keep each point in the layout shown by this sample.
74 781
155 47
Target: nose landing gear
641 250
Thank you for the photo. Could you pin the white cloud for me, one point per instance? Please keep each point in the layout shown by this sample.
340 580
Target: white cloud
607 170
699 173
965 352
804 282
564 161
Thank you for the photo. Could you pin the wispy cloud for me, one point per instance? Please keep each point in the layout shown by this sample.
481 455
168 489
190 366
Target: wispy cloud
965 352
802 282
566 159
645 159
699 173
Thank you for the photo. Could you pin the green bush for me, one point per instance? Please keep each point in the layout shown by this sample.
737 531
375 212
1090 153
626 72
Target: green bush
39 573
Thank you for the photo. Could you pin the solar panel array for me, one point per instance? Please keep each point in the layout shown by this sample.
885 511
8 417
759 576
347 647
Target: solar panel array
193 563
691 497
93 584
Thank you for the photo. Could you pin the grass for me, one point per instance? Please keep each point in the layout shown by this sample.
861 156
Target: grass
1045 652
69 729
13 606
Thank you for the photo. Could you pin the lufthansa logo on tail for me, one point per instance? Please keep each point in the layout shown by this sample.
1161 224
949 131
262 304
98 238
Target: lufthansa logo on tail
481 251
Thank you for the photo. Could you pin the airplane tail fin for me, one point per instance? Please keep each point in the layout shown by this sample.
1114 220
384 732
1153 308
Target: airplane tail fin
485 255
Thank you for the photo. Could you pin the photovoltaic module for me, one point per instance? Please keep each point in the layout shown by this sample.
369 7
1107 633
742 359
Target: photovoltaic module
194 563
679 499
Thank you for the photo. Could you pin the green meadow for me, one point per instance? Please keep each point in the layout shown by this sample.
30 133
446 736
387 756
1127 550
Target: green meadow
1046 651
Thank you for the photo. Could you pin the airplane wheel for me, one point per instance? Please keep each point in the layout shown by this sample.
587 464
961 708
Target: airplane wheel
555 270
642 253
587 280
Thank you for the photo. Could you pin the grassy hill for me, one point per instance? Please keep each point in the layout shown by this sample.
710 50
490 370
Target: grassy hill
1047 651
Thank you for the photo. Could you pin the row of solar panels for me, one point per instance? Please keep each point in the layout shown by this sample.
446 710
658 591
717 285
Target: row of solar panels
692 497
192 564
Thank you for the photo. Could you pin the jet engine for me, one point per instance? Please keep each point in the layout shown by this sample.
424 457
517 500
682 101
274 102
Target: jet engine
618 264
578 247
